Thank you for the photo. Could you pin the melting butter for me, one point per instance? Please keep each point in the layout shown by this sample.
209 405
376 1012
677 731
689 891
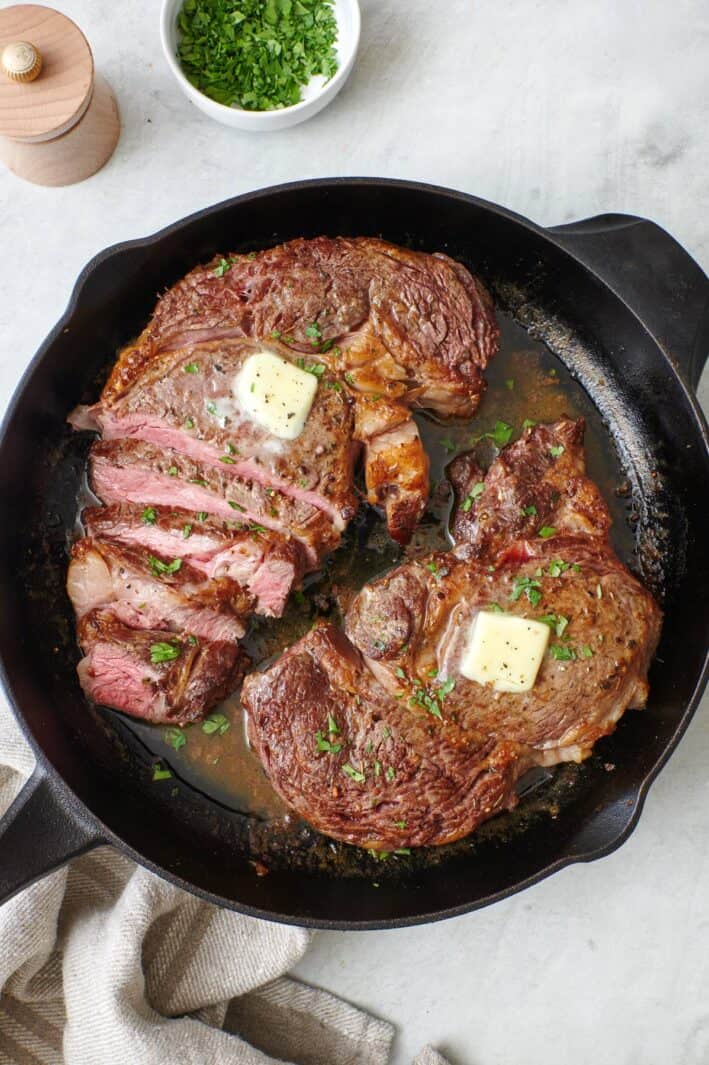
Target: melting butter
504 651
275 394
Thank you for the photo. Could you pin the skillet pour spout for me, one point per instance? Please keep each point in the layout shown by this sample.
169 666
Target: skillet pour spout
624 307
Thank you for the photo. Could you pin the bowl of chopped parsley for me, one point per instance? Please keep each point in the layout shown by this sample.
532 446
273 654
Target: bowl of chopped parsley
260 64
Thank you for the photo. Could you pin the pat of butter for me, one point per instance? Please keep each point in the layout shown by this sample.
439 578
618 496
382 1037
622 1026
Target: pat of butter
504 651
275 394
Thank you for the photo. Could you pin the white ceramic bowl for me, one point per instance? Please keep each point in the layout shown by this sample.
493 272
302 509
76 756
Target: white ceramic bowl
316 95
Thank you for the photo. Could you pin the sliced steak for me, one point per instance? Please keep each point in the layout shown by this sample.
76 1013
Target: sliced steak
162 678
386 776
138 472
537 483
187 401
152 592
268 565
396 327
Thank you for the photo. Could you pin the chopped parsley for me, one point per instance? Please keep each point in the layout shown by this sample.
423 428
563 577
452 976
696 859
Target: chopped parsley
160 772
148 517
176 738
446 688
317 369
256 54
216 724
500 435
531 588
172 471
448 444
161 569
211 407
530 511
349 378
224 265
332 724
390 773
236 506
475 492
510 383
556 450
424 699
562 652
377 767
202 515
557 567
198 480
495 608
556 622
164 652
546 532
353 774
324 744
257 528
227 459
400 824
192 367
400 673
528 423
189 423
186 531
586 651
313 330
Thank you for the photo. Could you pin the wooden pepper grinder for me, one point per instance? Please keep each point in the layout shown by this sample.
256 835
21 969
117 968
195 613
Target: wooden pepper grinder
59 121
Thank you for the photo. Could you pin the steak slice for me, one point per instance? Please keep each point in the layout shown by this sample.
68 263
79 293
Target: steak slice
186 401
138 472
539 482
412 626
396 327
149 592
118 670
385 776
268 565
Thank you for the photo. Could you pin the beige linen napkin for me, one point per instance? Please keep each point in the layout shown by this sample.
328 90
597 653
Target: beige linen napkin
102 962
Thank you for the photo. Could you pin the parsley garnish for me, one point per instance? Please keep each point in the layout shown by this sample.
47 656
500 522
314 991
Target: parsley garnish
148 517
349 378
557 450
216 723
211 408
186 531
227 459
236 506
331 724
353 774
189 423
528 423
529 511
172 471
475 492
500 435
198 480
390 773
202 515
160 772
446 688
531 588
256 54
510 383
448 444
546 532
325 745
176 738
164 652
557 567
562 652
556 622
317 369
159 568
313 330
586 651
192 367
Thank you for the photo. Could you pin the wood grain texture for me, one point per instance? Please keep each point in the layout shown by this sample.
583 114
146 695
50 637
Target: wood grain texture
47 107
75 155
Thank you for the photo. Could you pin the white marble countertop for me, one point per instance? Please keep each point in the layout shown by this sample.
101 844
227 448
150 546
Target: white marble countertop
559 111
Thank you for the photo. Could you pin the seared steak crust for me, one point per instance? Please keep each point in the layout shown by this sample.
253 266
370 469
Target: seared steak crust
390 778
397 667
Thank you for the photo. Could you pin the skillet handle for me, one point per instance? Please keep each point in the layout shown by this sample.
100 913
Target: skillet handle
37 835
654 276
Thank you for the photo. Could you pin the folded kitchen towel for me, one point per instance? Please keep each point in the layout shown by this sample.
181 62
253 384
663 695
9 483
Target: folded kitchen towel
103 962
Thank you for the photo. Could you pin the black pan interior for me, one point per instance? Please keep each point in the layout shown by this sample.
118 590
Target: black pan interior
651 428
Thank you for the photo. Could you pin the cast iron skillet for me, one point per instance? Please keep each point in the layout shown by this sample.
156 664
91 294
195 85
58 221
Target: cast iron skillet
628 311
